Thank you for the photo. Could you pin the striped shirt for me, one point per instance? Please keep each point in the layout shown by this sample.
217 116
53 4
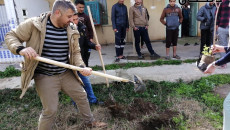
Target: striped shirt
56 48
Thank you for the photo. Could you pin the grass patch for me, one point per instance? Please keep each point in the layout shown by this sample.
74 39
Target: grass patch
24 113
10 72
143 64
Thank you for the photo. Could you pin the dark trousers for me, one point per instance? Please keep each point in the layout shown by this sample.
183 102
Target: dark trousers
143 33
85 58
185 27
119 40
206 39
142 41
171 37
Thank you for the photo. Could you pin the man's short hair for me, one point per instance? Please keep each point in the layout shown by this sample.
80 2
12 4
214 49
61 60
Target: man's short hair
63 5
79 2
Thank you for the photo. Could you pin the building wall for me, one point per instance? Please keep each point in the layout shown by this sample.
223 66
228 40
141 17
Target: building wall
156 29
38 7
1 2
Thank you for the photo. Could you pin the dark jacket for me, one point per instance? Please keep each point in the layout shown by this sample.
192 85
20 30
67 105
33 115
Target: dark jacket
186 13
119 15
84 42
86 21
206 15
173 17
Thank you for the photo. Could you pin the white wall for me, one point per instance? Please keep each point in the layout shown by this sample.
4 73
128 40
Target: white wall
33 7
3 15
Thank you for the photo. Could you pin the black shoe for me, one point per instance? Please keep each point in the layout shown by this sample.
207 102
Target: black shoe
155 55
123 57
117 60
186 44
195 44
99 103
140 57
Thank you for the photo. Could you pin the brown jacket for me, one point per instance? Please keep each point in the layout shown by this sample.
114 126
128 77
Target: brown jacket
33 31
135 17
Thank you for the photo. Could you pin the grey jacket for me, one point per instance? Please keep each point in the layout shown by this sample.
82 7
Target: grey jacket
206 15
173 17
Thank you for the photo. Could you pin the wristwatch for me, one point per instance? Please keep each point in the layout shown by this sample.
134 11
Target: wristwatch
213 64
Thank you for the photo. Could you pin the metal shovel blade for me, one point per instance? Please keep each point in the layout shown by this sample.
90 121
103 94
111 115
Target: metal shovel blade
139 85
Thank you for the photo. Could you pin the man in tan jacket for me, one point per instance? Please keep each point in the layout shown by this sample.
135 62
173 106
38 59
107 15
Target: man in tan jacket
138 20
50 36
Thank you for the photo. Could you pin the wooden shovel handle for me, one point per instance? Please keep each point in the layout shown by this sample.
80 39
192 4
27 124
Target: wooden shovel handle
72 67
97 42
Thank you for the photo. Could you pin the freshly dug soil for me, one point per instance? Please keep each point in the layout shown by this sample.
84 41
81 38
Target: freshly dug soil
140 108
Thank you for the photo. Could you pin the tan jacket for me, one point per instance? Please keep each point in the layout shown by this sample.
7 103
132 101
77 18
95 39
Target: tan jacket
135 17
33 31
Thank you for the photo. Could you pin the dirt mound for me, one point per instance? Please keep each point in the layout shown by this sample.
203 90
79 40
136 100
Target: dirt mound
144 112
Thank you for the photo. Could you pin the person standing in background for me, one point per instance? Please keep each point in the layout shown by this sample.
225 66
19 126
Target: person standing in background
185 24
139 22
120 23
206 16
142 39
174 18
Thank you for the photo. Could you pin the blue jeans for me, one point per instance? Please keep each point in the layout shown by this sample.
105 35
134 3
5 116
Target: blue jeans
88 88
143 33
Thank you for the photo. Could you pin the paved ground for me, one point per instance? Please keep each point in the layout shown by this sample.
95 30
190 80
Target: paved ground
173 73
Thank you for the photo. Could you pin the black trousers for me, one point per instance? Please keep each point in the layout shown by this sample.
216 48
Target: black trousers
119 40
185 27
143 33
171 37
206 39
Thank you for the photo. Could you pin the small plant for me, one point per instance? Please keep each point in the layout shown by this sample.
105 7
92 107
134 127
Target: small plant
10 72
180 122
207 51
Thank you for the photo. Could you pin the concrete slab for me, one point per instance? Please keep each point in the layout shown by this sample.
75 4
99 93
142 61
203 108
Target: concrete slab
108 53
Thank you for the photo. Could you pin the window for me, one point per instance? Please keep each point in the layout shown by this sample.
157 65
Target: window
24 12
103 11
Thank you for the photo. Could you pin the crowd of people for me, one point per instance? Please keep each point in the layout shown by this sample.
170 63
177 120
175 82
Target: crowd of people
55 35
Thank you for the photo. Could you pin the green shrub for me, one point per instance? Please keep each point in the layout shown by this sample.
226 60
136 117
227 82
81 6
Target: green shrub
10 72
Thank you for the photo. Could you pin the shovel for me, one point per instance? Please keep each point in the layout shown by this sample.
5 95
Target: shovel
139 85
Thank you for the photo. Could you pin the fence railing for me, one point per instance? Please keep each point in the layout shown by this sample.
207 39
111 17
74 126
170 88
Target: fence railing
4 28
6 24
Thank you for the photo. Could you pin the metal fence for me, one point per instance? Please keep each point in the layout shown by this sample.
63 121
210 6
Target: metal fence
6 24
